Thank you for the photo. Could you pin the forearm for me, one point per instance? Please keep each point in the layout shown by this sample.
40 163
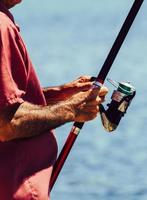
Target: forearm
30 120
27 120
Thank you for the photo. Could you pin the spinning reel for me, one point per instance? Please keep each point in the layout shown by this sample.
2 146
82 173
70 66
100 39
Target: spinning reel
121 99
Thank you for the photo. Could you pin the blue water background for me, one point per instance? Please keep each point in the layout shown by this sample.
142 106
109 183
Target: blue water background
67 39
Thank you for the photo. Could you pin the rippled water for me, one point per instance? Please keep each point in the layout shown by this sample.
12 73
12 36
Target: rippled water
67 39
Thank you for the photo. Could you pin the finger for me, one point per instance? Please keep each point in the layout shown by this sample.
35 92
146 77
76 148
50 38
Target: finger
103 91
84 86
83 117
83 79
90 117
91 110
94 102
93 93
101 99
92 106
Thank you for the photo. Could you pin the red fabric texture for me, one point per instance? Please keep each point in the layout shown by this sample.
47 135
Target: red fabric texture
25 164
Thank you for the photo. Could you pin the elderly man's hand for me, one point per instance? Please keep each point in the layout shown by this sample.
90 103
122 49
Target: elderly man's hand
81 84
61 93
85 105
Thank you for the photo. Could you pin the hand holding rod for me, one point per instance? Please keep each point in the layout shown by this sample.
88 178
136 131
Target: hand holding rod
98 83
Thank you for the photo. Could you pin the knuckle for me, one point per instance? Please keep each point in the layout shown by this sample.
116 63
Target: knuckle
98 100
97 109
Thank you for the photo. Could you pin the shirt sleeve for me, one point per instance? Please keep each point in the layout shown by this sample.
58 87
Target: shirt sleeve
13 73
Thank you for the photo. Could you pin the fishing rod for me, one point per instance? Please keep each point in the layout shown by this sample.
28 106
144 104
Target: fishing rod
121 97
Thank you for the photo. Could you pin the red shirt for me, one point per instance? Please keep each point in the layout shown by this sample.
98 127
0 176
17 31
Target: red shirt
25 164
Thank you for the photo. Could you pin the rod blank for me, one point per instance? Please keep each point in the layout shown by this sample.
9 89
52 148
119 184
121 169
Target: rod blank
100 78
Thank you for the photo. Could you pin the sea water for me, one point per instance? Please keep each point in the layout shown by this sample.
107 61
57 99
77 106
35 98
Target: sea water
67 39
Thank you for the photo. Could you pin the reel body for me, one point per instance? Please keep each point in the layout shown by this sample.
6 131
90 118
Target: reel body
121 99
